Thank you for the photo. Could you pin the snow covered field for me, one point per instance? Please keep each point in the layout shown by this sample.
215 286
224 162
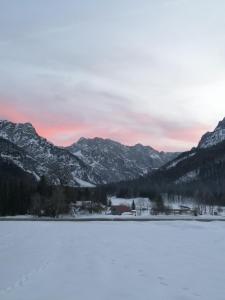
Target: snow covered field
112 260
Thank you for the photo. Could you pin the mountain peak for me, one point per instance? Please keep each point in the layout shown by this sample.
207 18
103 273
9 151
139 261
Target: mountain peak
96 140
27 124
215 137
18 126
118 162
221 124
139 146
107 141
28 127
96 160
44 158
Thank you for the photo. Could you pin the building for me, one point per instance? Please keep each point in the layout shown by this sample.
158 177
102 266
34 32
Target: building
119 209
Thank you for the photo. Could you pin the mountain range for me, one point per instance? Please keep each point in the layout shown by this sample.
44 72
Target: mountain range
87 163
210 151
116 162
97 161
200 170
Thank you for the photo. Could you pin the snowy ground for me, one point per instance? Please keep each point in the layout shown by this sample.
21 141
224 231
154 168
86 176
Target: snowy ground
112 260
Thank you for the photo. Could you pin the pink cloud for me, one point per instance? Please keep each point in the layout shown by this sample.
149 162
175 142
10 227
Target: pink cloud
189 134
128 127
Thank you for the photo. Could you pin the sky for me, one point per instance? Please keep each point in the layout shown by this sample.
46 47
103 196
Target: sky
136 71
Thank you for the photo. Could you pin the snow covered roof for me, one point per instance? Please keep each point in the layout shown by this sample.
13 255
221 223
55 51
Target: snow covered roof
139 202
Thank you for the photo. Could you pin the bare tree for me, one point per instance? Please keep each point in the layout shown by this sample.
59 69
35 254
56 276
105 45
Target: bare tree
36 204
57 202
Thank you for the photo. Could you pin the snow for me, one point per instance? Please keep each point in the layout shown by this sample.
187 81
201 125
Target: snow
177 161
155 156
83 183
188 177
105 156
79 154
213 138
142 205
112 260
139 202
46 157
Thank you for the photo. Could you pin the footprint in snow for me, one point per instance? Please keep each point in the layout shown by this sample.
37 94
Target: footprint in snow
162 281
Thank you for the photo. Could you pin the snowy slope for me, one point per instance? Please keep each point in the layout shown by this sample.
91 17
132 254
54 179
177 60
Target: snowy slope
14 155
200 168
86 163
116 162
58 165
112 260
204 163
212 138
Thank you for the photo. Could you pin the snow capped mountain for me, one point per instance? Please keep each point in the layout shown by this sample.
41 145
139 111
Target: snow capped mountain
116 162
195 172
201 165
208 140
86 163
58 165
212 138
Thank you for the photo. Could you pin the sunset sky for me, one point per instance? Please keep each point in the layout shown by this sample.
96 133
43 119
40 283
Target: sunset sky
137 71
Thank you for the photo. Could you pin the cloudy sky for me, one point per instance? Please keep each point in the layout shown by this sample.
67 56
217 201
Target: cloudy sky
131 70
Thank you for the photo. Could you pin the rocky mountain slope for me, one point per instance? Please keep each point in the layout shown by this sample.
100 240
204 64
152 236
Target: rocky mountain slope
14 155
43 158
116 162
200 171
212 138
199 162
86 163
196 174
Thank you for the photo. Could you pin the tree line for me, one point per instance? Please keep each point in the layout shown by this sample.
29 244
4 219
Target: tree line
20 194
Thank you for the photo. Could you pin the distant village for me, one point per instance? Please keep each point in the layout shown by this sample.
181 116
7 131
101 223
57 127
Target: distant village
137 207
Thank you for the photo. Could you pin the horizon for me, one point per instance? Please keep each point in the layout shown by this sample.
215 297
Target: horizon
104 138
131 71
